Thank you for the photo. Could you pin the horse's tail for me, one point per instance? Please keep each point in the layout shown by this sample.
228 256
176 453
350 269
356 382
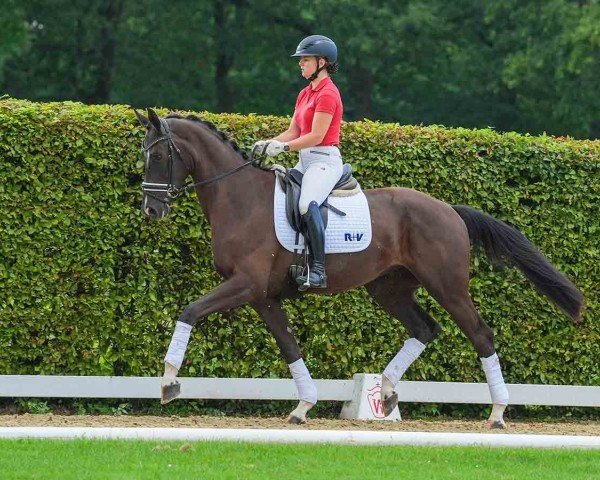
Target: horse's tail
505 245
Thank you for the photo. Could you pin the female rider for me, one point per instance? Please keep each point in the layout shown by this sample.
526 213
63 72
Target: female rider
315 132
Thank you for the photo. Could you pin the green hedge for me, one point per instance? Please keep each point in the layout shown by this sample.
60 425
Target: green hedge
89 286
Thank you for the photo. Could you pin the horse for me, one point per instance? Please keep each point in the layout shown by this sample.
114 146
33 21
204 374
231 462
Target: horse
417 241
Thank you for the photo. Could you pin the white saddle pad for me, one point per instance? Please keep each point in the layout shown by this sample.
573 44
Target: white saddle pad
351 233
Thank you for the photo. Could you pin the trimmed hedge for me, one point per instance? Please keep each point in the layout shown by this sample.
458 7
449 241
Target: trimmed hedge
88 286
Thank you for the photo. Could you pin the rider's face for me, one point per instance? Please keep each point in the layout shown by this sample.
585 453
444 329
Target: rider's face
308 66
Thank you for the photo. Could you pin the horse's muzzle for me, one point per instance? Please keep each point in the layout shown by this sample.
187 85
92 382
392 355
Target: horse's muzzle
156 213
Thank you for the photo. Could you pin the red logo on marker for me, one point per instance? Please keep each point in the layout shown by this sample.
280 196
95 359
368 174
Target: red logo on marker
374 397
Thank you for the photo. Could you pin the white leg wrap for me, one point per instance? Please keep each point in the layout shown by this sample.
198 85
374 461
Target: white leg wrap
409 352
307 390
493 375
178 345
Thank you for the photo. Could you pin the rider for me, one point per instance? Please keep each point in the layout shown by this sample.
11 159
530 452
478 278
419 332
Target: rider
315 132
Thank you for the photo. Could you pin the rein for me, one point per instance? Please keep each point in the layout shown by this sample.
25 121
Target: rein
172 190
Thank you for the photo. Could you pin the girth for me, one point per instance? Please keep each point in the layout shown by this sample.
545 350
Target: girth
291 184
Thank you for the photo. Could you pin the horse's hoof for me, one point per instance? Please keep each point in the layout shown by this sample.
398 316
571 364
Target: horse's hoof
496 424
389 403
170 392
294 420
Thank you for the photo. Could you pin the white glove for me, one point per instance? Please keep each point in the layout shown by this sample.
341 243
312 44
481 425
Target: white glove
276 147
259 147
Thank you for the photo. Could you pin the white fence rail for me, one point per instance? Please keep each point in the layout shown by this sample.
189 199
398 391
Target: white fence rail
292 436
50 386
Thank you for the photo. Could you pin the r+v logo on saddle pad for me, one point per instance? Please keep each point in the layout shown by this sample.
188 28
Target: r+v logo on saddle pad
353 237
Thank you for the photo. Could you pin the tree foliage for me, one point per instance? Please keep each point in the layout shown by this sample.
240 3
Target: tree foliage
13 30
526 66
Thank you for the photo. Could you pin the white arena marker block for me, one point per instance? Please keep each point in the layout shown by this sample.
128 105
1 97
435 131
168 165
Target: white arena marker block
366 400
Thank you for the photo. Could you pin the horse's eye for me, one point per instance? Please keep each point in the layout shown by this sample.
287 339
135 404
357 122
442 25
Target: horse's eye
155 157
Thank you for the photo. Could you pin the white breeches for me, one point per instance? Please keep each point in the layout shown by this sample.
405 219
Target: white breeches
322 168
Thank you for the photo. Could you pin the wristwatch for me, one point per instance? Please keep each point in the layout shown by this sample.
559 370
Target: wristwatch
286 147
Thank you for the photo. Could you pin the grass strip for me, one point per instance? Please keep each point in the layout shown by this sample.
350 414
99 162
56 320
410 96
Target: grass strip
114 459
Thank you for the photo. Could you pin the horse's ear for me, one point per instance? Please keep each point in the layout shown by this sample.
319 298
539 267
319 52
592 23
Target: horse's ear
154 120
143 120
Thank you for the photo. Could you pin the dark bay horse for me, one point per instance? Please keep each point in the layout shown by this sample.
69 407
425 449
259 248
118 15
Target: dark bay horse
417 241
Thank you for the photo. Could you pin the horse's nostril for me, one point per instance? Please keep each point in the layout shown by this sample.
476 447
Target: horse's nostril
151 212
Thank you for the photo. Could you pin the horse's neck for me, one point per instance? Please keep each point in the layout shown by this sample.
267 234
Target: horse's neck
230 199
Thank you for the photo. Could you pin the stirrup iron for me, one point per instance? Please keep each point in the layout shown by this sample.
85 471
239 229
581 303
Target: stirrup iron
306 285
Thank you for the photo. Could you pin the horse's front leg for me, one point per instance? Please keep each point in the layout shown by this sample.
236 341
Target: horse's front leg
277 322
230 294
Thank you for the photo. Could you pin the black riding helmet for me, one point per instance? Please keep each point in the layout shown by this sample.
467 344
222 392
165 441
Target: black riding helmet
317 46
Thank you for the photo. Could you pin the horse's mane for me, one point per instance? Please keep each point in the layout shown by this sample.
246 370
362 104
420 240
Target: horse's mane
220 134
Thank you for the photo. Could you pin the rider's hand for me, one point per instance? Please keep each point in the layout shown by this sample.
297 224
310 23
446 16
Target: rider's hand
276 147
259 147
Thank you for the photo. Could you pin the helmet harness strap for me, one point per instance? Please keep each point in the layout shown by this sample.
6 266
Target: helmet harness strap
318 70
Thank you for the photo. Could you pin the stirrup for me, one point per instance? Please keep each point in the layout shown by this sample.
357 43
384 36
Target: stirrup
304 283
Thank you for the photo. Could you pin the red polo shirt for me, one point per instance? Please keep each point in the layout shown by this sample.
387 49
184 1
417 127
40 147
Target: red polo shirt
324 98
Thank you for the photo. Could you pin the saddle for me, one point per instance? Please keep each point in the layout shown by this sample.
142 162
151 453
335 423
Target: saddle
291 183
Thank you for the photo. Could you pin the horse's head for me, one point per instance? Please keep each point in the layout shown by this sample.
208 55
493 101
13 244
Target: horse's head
164 169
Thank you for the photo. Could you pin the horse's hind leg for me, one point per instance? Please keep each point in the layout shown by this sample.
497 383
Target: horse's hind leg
394 292
482 337
446 278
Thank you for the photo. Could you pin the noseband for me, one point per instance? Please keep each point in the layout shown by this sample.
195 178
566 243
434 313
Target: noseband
173 191
170 188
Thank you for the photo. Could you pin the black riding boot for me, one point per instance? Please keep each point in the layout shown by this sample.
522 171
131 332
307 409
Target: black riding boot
316 234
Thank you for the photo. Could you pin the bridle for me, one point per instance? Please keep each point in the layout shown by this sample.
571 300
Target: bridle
173 191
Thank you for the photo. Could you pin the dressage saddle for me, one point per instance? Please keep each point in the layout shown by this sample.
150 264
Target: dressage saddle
291 184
